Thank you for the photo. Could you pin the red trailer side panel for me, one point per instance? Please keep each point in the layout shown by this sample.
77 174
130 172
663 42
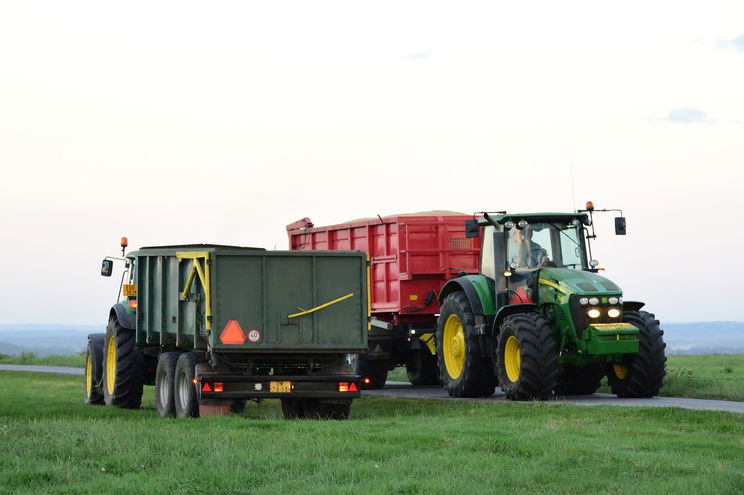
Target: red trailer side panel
411 257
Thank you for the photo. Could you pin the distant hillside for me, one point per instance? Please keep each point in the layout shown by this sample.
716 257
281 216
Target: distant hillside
714 337
45 339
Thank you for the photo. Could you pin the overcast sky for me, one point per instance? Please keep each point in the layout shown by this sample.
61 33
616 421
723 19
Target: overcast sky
224 121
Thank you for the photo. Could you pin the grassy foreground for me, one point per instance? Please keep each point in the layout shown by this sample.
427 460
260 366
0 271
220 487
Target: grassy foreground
52 443
74 360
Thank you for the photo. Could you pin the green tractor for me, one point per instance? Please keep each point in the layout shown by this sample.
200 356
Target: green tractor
538 320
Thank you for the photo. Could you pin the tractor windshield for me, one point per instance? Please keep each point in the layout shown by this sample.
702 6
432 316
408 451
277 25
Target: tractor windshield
545 244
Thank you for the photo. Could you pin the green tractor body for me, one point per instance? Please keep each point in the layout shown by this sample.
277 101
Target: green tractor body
539 320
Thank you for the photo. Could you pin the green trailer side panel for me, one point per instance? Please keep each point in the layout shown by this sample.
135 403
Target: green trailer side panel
259 290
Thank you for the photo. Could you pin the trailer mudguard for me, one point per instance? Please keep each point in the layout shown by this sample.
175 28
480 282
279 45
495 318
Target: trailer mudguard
126 319
509 310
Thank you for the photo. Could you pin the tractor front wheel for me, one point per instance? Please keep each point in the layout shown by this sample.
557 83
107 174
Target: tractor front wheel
642 374
94 369
526 357
464 372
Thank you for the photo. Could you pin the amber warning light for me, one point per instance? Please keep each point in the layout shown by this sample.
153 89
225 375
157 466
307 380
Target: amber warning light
589 206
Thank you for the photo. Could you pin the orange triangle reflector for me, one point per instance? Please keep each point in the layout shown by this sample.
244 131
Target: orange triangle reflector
353 387
206 388
232 334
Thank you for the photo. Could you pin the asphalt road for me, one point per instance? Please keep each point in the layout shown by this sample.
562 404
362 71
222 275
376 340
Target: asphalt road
405 390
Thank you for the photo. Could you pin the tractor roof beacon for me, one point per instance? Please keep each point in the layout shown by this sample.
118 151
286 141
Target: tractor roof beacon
539 320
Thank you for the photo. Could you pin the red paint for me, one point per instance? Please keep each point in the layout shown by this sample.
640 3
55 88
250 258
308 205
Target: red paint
411 257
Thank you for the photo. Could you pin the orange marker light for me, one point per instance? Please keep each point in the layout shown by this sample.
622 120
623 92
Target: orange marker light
194 381
124 242
343 386
218 386
133 303
590 206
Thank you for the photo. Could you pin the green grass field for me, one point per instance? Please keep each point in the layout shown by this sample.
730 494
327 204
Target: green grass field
52 443
74 360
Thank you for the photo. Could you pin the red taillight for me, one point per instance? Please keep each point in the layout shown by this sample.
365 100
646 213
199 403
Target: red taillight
343 386
218 386
353 387
206 388
133 303
366 380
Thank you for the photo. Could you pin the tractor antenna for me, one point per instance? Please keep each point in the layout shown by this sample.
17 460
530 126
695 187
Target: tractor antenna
573 192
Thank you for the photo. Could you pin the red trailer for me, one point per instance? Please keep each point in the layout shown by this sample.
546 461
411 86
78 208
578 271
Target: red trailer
411 257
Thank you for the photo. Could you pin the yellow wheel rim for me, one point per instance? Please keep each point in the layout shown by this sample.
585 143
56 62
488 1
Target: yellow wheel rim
88 376
512 360
620 371
111 365
453 347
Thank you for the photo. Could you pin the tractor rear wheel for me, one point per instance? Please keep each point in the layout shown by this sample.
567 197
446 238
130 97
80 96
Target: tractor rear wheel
184 390
642 374
580 381
164 384
422 368
123 367
94 369
464 372
373 373
526 357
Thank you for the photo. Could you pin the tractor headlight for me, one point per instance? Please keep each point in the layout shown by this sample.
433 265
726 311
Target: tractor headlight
593 313
613 300
613 312
522 224
594 301
509 224
584 301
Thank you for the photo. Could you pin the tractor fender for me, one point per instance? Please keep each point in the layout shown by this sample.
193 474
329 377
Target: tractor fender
509 310
126 320
633 305
466 286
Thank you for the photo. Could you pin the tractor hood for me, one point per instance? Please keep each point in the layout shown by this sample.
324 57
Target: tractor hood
578 282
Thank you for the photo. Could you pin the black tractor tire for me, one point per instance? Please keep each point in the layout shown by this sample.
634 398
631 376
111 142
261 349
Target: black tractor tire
123 367
184 390
422 368
321 409
641 374
526 357
374 373
92 391
580 381
469 374
293 408
165 378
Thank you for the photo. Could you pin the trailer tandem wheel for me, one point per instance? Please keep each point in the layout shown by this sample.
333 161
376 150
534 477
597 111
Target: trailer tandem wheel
165 383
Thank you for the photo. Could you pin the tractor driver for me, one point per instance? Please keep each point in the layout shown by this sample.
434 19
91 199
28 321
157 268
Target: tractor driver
527 253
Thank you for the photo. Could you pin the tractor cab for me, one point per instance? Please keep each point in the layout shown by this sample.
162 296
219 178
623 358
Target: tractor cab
515 248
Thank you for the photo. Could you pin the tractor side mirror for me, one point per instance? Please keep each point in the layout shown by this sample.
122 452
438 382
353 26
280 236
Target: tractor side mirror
107 268
471 228
620 226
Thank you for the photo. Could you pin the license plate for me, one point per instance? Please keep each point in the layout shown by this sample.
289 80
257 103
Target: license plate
129 290
280 387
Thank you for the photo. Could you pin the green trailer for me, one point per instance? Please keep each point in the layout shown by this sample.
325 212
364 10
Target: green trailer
214 326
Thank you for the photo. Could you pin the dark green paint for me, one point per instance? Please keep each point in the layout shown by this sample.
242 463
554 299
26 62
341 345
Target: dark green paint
258 289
